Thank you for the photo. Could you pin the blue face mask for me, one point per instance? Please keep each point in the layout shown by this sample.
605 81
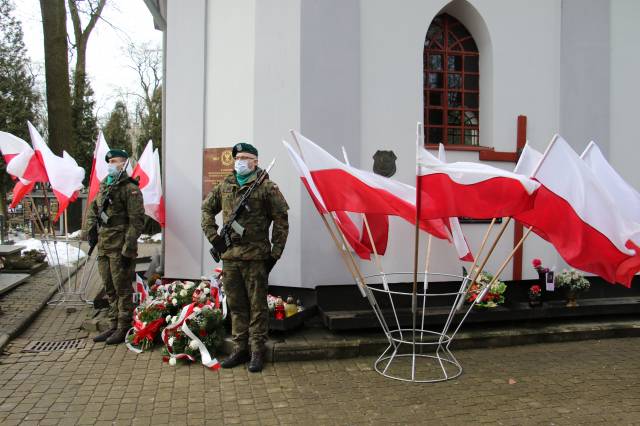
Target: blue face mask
242 167
112 170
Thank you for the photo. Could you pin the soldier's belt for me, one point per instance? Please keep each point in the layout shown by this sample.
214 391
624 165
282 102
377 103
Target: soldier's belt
116 221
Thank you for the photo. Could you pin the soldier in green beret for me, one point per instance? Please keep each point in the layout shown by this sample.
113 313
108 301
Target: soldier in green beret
118 211
246 264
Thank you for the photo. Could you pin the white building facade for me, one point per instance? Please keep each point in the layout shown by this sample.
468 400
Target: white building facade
352 73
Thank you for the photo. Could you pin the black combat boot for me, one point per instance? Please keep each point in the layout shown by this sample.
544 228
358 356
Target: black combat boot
117 337
104 335
257 361
239 356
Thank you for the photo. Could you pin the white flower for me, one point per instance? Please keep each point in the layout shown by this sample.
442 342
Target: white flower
207 291
196 310
202 285
168 319
174 320
170 342
193 345
144 324
189 284
174 301
183 293
172 361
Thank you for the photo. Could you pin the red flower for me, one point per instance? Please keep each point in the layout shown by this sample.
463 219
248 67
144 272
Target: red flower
202 332
535 289
536 263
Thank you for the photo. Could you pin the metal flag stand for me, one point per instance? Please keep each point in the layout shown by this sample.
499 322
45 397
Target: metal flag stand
415 354
73 275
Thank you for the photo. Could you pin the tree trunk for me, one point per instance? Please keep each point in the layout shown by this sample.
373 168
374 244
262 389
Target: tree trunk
56 62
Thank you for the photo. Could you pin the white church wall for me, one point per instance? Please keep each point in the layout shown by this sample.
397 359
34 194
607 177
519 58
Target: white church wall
230 90
276 110
183 136
625 91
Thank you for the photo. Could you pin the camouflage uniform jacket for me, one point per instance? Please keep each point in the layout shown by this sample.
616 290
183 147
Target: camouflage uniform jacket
266 205
126 218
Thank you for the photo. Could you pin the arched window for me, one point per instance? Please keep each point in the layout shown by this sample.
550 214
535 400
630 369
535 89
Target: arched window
451 84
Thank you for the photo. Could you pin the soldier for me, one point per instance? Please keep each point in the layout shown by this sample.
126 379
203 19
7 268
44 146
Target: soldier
119 226
247 263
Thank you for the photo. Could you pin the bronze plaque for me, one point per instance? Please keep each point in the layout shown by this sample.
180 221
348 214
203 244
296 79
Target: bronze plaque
217 164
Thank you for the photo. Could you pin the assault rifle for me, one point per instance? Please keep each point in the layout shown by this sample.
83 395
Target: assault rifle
222 244
103 217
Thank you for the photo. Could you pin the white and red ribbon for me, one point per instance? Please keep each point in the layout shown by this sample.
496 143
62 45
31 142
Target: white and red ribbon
188 313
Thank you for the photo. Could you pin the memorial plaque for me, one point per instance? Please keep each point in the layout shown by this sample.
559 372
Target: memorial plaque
217 164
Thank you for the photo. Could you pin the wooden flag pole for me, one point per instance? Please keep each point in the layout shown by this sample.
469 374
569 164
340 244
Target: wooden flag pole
425 286
414 297
509 257
491 249
350 262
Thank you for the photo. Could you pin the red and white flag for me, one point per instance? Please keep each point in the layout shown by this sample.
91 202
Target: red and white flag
22 164
99 170
466 189
623 194
576 214
65 176
346 188
459 241
343 221
150 180
140 288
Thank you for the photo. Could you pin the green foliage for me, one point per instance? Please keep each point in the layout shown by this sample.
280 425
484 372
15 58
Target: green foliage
572 280
85 128
118 127
19 98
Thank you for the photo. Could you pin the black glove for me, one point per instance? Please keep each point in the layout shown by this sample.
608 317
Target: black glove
125 262
92 236
271 262
219 244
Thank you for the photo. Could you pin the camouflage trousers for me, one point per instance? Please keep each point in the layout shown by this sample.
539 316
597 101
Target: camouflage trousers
245 284
117 284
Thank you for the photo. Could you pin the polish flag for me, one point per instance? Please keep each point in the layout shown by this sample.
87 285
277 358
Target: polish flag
623 194
575 213
141 288
150 180
342 219
22 164
65 176
459 241
466 189
99 167
346 188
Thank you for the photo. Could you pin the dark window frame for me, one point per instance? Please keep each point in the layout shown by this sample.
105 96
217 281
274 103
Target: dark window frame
451 84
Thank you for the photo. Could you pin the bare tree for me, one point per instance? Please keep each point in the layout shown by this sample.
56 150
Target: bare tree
146 61
81 36
54 26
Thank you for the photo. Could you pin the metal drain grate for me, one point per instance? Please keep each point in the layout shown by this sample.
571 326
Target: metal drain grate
63 345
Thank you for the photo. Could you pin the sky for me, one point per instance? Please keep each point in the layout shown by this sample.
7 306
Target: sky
129 21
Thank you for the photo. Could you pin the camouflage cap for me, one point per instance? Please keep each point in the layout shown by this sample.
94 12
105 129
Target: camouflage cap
115 153
244 147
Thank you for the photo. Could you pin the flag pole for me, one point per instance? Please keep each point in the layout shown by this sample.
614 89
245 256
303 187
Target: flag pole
378 261
491 249
350 262
425 286
508 259
414 301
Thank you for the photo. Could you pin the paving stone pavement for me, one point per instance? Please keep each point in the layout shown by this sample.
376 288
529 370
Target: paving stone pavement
587 382
24 301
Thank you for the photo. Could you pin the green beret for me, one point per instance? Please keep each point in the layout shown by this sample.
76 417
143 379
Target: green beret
244 147
115 153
